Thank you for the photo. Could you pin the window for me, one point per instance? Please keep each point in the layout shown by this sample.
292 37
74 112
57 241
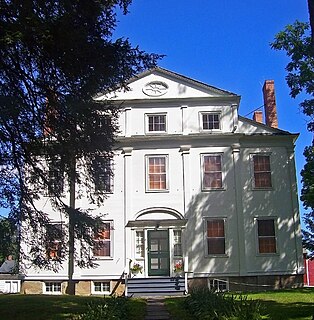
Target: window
54 237
266 236
139 245
212 172
101 287
177 244
102 167
156 123
219 285
215 232
210 121
262 173
157 173
103 241
52 287
55 175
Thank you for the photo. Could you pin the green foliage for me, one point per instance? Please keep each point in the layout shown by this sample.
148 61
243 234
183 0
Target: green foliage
209 305
297 41
55 58
8 239
307 196
113 308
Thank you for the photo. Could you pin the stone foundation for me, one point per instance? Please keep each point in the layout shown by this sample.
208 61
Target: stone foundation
253 283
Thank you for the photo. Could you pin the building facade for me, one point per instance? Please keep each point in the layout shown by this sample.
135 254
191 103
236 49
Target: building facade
197 189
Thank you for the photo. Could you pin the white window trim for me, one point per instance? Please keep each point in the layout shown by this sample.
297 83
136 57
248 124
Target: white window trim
213 112
52 292
147 115
221 154
218 255
111 180
275 219
111 244
252 170
147 157
102 292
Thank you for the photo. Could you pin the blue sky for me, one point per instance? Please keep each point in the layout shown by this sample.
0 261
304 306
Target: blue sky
226 44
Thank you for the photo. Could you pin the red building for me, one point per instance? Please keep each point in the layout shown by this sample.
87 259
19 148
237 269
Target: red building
308 272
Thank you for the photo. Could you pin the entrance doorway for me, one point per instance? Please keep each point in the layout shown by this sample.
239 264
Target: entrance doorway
158 253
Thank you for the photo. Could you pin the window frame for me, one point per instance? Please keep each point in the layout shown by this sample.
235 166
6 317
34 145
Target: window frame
274 236
206 220
107 175
54 247
54 284
204 188
110 240
254 185
103 292
56 180
147 174
208 113
147 117
176 242
137 254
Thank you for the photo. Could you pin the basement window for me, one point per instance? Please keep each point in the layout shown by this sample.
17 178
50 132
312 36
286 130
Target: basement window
101 287
219 285
52 287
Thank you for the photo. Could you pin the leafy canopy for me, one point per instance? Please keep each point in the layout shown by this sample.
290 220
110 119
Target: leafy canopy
55 57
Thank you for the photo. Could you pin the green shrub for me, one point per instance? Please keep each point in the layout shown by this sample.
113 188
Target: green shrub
114 308
209 305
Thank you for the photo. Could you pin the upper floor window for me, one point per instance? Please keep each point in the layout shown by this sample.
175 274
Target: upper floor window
103 240
55 175
156 179
54 236
103 179
210 121
262 172
266 236
215 235
212 171
156 123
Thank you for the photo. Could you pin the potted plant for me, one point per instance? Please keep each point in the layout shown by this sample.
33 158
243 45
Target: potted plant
178 268
136 268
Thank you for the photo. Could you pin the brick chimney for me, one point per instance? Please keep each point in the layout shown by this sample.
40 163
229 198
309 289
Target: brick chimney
270 104
258 116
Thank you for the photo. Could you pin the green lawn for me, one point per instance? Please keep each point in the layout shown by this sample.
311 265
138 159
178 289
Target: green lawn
44 307
296 304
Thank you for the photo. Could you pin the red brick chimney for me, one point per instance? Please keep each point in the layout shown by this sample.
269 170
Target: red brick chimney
270 104
258 116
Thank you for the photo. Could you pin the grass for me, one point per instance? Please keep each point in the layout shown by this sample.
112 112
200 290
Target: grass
44 307
294 304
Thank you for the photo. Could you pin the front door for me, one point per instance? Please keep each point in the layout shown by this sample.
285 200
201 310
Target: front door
158 253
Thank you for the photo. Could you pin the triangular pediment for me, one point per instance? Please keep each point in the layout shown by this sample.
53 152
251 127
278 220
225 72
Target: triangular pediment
160 83
249 126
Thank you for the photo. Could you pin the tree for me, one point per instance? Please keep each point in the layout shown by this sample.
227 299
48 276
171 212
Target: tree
8 238
55 57
297 41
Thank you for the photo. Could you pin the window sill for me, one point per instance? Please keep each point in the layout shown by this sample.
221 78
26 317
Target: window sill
101 258
214 189
263 189
217 255
157 191
275 254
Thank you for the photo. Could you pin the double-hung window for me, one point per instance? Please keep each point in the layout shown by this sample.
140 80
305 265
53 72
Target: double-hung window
103 240
262 171
266 236
212 171
215 236
156 123
103 177
210 121
156 168
54 237
55 175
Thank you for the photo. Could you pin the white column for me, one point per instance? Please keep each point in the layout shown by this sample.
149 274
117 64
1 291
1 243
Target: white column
127 205
185 152
184 119
239 208
127 122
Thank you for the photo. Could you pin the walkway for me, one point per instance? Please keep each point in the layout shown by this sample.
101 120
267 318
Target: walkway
156 310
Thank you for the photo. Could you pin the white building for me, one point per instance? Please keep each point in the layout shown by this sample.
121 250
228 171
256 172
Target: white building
196 185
